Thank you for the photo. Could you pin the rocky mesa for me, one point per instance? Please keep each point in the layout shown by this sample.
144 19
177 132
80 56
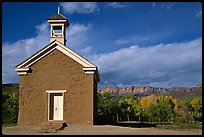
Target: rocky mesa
147 90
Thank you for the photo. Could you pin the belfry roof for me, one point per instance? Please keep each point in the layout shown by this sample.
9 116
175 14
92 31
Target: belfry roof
57 17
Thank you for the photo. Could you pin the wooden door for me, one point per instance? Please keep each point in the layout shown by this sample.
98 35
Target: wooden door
58 107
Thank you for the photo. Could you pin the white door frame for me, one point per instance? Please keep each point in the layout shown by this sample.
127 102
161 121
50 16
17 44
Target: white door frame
55 91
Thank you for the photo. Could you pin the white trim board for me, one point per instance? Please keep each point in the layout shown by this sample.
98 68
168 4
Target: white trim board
40 57
89 72
22 69
89 69
22 73
55 91
20 65
85 63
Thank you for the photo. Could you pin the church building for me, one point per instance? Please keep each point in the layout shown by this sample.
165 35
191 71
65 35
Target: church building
56 84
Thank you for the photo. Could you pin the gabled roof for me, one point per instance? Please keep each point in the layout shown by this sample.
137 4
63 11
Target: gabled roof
49 48
88 66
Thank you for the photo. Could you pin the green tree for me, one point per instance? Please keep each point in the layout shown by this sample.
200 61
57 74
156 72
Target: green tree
107 106
109 101
140 112
187 113
10 107
127 104
197 109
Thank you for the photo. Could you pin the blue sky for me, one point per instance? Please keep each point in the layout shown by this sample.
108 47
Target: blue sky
133 43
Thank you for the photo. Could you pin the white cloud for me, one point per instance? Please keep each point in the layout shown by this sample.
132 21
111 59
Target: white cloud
85 51
199 14
78 28
79 7
116 5
77 35
15 53
132 40
168 5
176 64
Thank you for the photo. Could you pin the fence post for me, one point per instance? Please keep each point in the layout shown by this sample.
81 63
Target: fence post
117 117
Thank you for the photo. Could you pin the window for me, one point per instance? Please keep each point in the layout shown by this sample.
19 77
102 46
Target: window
57 31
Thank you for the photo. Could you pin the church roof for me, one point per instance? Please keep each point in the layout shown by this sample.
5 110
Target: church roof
87 66
57 17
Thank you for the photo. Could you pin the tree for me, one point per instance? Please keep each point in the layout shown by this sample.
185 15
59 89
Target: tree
10 107
109 101
158 108
126 105
139 112
107 104
146 102
197 108
187 112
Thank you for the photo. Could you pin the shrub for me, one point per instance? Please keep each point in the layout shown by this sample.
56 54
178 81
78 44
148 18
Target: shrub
9 108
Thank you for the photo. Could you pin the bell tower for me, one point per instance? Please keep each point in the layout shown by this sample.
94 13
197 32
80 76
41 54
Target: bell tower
58 24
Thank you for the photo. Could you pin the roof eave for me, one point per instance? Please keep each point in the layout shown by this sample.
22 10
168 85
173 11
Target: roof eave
17 66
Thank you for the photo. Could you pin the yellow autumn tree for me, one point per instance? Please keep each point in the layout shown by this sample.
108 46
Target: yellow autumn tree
176 104
197 108
196 102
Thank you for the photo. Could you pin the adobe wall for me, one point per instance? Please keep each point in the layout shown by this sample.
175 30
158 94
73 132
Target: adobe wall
56 71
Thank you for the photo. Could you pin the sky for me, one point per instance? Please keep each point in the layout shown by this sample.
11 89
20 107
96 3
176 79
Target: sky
156 44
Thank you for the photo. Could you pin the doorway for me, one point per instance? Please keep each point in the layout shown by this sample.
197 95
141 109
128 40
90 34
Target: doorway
55 106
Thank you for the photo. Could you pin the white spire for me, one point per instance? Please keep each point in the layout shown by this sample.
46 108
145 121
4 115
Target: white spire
58 9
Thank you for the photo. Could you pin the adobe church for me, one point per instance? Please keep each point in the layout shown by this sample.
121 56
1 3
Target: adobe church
56 84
